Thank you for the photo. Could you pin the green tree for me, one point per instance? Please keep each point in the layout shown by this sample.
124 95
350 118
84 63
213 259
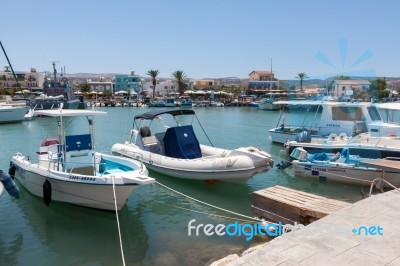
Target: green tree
179 75
85 88
153 74
301 76
378 88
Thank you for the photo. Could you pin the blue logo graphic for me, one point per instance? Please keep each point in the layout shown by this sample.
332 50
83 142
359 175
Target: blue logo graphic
342 67
368 231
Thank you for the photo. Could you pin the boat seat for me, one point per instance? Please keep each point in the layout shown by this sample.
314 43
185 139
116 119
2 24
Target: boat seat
145 132
342 136
148 141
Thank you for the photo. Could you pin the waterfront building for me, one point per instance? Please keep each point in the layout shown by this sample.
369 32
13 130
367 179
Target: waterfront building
131 83
163 87
101 86
206 85
30 80
342 88
261 82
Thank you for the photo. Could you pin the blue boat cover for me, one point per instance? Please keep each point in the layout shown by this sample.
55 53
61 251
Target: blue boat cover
181 142
78 142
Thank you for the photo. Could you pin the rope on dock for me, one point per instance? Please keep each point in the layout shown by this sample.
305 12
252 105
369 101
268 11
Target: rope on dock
119 229
210 205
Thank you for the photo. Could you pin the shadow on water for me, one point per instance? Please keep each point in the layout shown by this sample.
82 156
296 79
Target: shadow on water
168 213
76 235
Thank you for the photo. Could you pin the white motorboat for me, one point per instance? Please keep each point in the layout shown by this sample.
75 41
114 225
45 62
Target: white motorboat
175 150
268 104
68 169
363 145
11 114
341 169
351 118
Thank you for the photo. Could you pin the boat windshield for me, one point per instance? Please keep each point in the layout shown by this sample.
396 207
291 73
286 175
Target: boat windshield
374 114
347 113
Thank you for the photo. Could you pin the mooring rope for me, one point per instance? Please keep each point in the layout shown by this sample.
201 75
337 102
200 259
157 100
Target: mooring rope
119 229
208 204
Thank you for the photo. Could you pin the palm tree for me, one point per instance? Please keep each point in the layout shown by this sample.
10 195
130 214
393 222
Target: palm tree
179 75
153 74
302 76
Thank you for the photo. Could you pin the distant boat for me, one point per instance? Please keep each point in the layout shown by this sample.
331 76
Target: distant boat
170 102
350 118
56 90
12 114
156 103
268 104
254 104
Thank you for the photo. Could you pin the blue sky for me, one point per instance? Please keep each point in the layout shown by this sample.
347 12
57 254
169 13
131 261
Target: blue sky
205 39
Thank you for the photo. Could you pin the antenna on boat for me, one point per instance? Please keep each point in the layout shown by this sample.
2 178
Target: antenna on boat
55 71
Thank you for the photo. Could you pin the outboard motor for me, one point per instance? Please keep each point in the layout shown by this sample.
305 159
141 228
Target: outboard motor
304 137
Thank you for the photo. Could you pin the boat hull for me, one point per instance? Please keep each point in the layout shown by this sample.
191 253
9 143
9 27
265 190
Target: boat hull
268 105
228 166
346 174
83 190
363 146
11 114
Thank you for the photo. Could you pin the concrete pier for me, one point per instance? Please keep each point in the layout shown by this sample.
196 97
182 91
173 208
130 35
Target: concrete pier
364 233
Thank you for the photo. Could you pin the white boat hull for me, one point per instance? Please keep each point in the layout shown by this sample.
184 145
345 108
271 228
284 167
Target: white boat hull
269 106
94 191
344 173
10 114
216 164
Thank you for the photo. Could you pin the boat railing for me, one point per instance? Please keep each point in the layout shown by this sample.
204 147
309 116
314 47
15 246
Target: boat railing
133 155
380 185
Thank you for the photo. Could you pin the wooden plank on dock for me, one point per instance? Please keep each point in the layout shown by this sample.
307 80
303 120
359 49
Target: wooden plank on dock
288 205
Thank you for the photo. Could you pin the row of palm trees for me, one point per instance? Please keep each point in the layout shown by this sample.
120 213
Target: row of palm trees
179 76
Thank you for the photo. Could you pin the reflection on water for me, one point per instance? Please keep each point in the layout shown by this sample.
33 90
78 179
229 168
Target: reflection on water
154 222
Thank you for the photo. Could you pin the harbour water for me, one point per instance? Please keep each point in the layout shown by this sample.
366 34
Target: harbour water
154 223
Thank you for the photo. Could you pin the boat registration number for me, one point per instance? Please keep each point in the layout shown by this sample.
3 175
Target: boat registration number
83 178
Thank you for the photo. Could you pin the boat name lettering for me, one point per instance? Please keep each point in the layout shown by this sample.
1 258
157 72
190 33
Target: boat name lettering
318 169
84 178
332 125
337 170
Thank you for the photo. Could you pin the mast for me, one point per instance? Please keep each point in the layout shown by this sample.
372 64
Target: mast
12 70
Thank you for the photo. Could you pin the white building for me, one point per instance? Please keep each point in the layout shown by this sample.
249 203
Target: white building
163 88
341 88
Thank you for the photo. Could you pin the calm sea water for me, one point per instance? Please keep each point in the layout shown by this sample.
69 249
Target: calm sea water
154 221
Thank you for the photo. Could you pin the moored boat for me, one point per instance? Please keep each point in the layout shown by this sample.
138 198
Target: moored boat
68 169
350 118
342 169
12 114
56 90
175 151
